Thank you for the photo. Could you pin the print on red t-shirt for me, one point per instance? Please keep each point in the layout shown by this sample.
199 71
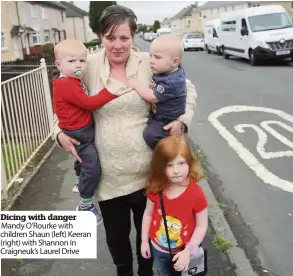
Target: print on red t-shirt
180 215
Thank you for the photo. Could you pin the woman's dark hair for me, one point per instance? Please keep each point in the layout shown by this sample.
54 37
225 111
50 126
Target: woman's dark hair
116 15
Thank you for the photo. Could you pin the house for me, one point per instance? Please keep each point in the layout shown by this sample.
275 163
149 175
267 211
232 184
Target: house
40 22
11 47
77 23
212 9
182 22
166 23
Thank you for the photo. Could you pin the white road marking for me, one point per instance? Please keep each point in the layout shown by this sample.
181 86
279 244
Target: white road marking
262 138
250 160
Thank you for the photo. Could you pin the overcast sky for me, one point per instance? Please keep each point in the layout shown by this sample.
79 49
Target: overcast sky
148 11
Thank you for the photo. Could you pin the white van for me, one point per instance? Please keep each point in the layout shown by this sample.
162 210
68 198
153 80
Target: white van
163 31
257 33
211 36
149 36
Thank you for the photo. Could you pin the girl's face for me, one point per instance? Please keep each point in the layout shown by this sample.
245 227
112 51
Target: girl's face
177 170
118 44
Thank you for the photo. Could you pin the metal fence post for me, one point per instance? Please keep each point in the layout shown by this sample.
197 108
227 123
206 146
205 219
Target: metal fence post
3 179
47 95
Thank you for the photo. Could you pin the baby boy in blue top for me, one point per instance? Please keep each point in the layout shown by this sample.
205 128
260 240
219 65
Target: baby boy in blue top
167 93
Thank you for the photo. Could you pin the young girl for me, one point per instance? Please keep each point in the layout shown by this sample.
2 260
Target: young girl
174 171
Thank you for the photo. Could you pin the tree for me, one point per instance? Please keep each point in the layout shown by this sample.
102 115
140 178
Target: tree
142 28
95 12
156 26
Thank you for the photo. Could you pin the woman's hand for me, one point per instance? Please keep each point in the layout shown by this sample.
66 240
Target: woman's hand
68 144
182 259
176 127
145 250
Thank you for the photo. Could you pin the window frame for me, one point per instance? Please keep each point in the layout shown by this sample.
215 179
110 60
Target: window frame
34 11
47 34
38 36
44 13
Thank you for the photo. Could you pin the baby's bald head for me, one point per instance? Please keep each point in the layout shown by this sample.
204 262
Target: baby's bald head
69 47
166 53
171 44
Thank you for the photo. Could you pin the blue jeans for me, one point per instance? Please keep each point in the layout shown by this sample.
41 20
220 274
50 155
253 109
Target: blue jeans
163 263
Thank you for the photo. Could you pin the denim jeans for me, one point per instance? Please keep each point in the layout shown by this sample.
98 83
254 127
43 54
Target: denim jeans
163 263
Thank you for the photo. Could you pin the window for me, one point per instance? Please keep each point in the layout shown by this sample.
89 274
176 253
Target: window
47 36
243 23
36 38
229 26
44 13
34 11
62 16
292 5
200 14
194 36
272 21
188 21
3 41
215 33
233 8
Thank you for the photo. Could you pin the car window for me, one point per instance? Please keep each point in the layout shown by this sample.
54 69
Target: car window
193 36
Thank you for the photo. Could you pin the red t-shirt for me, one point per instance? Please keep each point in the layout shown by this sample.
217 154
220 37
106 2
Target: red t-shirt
180 215
73 106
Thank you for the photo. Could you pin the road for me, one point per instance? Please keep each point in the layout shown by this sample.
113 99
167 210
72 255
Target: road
248 147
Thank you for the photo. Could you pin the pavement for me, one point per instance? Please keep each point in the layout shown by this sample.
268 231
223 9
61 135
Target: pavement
50 189
243 126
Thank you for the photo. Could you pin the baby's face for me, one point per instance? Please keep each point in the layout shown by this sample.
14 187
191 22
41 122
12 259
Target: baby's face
161 59
72 65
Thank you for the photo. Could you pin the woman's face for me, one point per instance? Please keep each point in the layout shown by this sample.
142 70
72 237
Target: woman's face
118 44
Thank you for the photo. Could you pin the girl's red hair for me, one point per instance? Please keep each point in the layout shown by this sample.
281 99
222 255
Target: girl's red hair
166 151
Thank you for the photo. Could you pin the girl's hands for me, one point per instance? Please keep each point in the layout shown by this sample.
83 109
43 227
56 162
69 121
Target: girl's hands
145 250
182 259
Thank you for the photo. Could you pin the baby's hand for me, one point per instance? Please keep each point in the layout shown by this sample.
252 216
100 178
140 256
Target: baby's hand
132 83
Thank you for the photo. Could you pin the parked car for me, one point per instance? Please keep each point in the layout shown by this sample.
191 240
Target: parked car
193 41
163 31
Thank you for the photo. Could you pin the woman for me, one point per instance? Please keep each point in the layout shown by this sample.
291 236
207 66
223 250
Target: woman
119 125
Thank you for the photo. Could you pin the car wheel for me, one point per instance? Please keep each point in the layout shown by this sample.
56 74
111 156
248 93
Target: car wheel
252 58
225 55
208 49
202 49
219 51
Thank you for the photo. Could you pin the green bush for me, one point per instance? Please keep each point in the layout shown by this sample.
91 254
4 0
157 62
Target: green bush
92 43
48 48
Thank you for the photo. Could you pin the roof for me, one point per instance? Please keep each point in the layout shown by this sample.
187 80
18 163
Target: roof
72 10
184 12
217 4
52 4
